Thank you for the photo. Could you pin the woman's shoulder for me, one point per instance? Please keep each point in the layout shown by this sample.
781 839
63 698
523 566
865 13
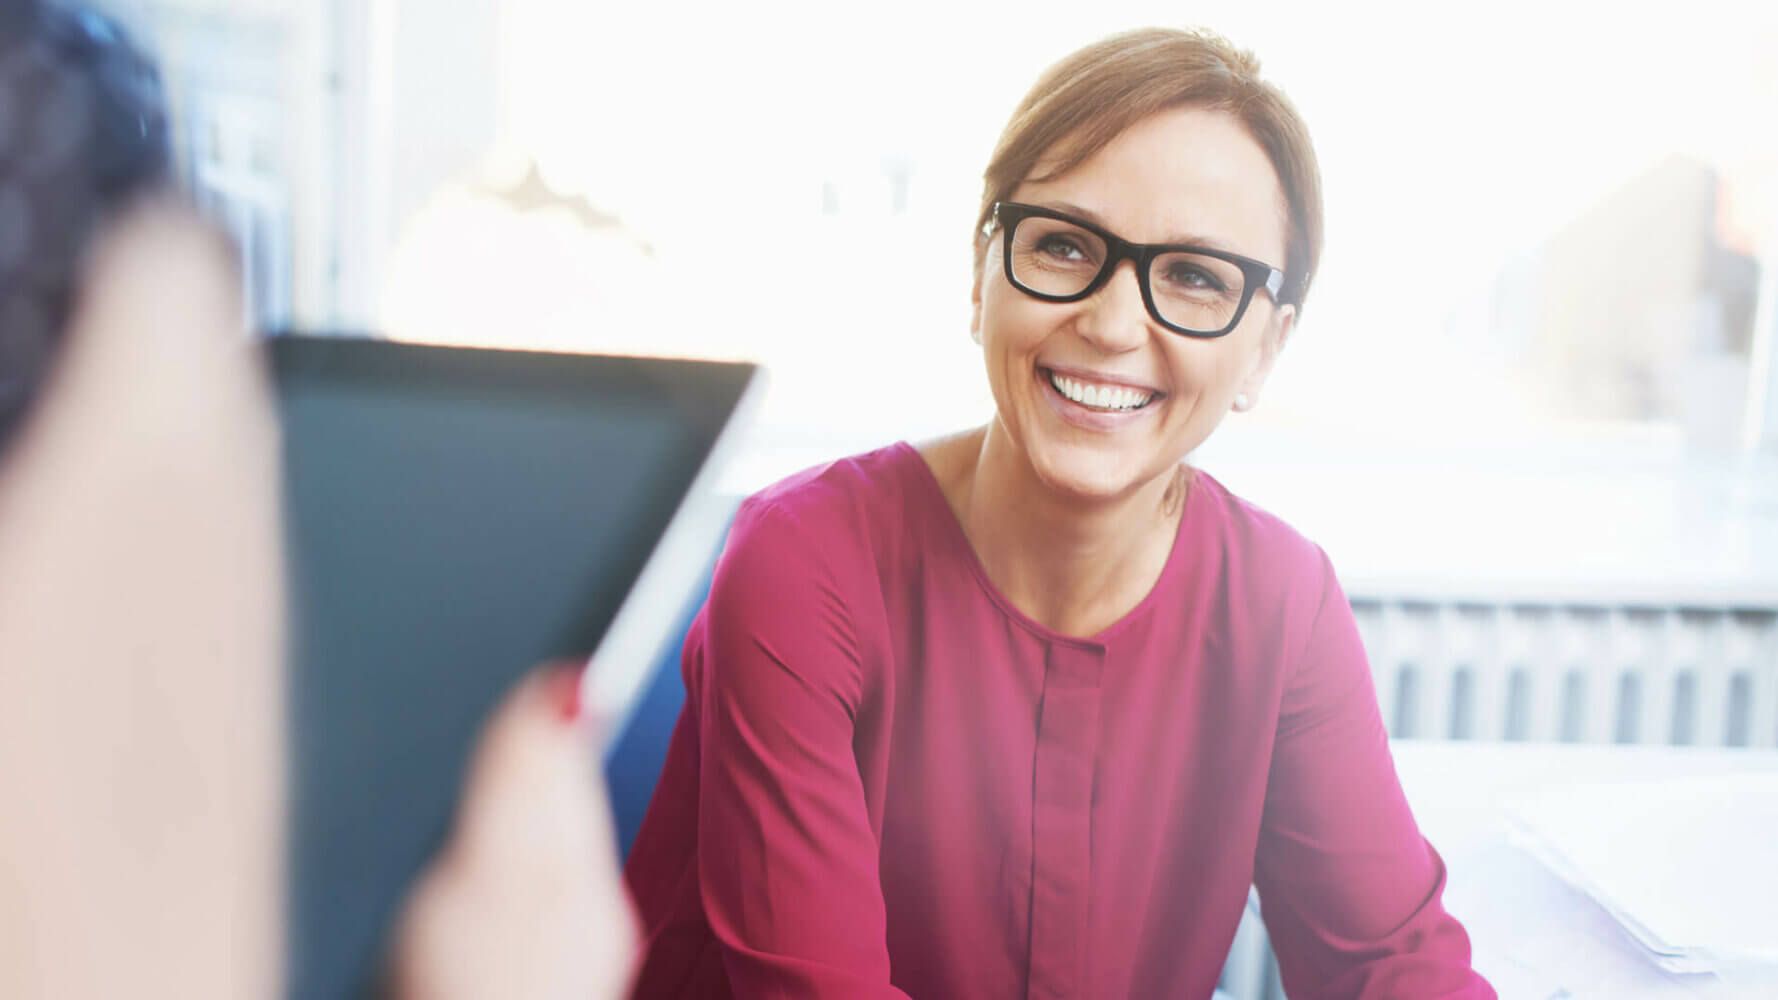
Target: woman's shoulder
1267 549
842 517
849 494
806 555
1274 584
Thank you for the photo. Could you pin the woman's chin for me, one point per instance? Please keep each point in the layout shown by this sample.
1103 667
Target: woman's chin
1089 475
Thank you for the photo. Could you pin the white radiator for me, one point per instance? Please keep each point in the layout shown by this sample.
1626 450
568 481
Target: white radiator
1569 672
1598 673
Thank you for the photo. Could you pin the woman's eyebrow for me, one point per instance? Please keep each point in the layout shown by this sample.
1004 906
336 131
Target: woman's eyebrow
1191 239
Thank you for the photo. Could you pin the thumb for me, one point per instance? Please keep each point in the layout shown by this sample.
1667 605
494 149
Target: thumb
534 784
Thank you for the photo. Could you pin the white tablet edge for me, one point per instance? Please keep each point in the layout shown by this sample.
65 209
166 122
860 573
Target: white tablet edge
618 672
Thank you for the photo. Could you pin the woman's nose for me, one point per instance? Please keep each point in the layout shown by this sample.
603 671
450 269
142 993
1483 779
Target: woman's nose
1114 318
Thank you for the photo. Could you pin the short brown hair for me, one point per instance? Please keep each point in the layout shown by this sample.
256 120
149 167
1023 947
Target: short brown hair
1092 96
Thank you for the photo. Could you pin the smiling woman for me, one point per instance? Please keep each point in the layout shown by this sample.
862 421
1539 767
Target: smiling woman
1026 710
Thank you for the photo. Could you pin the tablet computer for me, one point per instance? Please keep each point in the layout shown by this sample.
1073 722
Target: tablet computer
455 517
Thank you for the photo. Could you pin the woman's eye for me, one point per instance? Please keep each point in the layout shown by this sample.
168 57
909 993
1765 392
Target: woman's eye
1193 278
1060 246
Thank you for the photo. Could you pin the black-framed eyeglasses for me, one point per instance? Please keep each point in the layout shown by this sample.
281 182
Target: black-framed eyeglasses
1192 290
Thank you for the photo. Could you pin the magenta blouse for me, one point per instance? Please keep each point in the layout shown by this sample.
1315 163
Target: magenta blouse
887 781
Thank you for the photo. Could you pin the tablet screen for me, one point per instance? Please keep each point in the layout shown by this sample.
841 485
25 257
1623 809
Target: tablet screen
455 517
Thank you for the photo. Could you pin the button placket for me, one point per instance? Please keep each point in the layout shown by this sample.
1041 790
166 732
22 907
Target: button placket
1067 749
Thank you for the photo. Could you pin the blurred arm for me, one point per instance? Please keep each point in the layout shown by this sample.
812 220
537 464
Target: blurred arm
140 597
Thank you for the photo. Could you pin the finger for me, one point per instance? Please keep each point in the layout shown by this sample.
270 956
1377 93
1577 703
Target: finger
534 776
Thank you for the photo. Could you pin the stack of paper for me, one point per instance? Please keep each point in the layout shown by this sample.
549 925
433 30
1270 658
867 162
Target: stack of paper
1688 868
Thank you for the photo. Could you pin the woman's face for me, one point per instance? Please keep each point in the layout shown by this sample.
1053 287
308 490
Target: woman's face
1184 176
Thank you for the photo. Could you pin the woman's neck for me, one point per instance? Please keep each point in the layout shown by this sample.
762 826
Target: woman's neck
1077 566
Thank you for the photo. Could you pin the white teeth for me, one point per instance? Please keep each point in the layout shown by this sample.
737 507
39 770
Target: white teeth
1101 397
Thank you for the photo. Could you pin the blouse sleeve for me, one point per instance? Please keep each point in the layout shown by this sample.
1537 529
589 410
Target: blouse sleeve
787 856
1349 889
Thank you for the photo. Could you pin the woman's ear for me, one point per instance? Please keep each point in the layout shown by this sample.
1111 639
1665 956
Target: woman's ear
1277 334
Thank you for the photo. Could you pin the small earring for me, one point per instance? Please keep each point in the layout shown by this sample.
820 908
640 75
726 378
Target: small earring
1240 401
976 335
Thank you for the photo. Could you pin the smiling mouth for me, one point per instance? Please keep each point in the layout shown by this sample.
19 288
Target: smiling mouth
1098 396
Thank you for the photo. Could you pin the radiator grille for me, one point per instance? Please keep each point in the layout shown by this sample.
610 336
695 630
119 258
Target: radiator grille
1574 673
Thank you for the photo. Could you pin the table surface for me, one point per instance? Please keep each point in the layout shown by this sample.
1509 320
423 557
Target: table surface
1533 935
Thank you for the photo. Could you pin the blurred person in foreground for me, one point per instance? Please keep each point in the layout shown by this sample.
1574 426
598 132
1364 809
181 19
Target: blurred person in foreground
141 634
1025 711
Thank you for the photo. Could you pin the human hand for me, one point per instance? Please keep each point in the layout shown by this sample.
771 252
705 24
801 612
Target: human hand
525 900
